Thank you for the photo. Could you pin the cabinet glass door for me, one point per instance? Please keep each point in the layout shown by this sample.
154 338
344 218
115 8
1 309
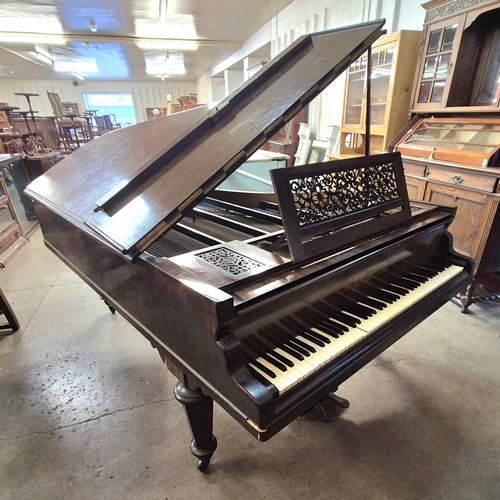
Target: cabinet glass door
381 75
356 77
437 63
15 180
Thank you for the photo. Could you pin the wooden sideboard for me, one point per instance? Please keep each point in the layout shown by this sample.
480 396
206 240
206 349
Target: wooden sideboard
451 147
475 191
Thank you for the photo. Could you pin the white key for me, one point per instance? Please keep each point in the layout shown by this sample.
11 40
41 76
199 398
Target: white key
323 355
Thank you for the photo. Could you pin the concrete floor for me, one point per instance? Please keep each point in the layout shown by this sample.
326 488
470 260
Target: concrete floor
87 411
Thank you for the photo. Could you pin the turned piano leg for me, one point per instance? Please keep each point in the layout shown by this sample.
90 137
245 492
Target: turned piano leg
199 413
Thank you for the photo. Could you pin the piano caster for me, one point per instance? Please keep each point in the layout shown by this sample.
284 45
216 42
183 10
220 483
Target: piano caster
110 307
199 413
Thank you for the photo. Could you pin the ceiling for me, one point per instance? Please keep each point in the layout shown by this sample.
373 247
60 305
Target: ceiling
125 39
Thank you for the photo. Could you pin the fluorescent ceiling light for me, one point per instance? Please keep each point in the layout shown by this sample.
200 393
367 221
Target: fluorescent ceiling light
173 64
168 44
81 65
77 75
28 38
163 10
44 58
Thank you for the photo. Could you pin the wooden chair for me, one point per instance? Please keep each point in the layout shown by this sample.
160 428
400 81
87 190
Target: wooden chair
6 310
186 102
73 129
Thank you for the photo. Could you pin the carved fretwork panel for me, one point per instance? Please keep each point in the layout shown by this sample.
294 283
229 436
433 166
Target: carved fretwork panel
329 205
230 261
326 196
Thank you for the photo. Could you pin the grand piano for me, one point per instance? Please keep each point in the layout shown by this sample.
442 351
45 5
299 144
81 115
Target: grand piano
265 310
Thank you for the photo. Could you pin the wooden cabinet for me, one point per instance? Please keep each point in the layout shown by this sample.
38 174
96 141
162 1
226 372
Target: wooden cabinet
36 165
475 191
451 147
458 68
394 58
10 230
17 214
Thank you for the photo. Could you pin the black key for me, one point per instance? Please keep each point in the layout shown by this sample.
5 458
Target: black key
313 339
292 324
299 350
346 319
416 277
371 290
323 326
385 296
390 286
291 340
277 339
318 336
403 282
340 329
346 304
408 283
263 368
292 349
259 347
292 352
360 311
274 362
422 271
371 302
299 343
281 358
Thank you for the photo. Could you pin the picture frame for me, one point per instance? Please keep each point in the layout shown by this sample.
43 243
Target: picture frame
317 152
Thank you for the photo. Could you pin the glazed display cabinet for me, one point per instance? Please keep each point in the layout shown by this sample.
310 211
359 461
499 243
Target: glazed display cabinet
450 148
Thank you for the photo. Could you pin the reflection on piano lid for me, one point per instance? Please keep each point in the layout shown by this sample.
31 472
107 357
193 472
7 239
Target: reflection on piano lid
266 309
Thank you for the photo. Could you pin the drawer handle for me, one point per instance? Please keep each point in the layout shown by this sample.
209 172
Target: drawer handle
457 179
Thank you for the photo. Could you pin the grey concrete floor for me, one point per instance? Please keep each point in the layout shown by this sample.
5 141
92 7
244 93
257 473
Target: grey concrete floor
87 411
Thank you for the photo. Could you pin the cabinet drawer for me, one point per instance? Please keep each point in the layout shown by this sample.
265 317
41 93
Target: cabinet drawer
8 237
411 168
459 178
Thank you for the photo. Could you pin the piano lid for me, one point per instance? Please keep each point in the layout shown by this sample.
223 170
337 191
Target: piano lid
131 185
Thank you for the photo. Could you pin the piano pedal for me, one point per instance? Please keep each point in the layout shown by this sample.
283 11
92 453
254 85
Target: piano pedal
342 402
323 412
325 415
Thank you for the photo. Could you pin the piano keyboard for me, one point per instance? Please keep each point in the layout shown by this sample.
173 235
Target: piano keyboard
285 354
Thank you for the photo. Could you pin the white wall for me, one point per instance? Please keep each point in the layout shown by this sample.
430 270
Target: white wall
301 17
146 94
306 16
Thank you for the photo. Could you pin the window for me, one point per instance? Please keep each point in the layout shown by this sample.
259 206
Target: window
119 107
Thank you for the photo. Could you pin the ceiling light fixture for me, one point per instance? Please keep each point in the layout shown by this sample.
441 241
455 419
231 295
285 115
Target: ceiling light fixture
77 75
163 10
44 58
34 39
93 26
168 44
22 57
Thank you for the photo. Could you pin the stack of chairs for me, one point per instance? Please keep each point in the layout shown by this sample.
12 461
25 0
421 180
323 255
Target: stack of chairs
73 129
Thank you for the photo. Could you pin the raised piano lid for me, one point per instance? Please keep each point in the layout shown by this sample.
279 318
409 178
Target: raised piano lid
128 187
